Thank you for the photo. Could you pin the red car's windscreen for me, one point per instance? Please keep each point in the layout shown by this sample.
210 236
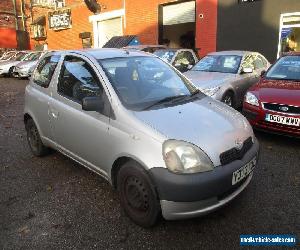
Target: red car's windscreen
286 68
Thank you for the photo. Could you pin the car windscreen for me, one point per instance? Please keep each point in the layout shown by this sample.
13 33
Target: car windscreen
20 56
32 56
286 68
219 63
166 55
142 81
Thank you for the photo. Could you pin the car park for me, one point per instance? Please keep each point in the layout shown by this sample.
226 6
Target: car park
145 48
23 69
181 59
273 104
227 75
7 67
131 118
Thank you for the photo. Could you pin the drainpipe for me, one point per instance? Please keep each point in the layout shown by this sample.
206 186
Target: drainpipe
22 15
15 13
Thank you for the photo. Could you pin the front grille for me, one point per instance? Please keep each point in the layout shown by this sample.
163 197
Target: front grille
282 108
236 154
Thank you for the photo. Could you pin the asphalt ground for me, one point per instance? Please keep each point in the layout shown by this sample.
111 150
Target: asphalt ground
54 203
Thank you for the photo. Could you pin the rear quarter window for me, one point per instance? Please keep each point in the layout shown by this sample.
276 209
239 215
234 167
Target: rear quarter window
43 74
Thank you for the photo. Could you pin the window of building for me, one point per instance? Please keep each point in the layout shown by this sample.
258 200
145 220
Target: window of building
38 31
49 3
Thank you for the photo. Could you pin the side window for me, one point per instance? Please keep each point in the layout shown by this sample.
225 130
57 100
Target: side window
78 80
43 74
259 62
248 62
185 57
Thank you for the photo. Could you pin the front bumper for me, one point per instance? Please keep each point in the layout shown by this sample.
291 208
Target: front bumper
183 210
256 117
190 195
3 71
21 73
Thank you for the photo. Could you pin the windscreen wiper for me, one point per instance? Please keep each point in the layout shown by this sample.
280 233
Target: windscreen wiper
165 100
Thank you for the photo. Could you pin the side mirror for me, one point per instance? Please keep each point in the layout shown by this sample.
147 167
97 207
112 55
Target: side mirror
262 74
247 70
92 103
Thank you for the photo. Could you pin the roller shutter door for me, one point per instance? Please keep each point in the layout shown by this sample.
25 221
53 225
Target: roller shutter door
179 13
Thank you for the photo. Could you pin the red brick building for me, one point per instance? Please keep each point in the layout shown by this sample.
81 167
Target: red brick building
69 24
11 25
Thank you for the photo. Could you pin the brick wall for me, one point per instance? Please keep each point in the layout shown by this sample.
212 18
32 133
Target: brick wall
206 26
142 19
69 38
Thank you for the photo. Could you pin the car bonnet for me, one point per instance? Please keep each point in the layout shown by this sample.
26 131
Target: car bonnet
205 80
209 124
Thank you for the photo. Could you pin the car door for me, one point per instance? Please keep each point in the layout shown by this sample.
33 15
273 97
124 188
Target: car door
82 135
39 95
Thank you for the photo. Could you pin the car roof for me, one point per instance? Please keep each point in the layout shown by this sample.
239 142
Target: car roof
232 52
143 46
173 49
104 53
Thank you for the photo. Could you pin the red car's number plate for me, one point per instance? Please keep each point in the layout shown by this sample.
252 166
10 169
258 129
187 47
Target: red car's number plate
286 120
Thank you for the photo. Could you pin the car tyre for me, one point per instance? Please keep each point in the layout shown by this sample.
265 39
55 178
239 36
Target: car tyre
10 71
138 196
228 99
34 140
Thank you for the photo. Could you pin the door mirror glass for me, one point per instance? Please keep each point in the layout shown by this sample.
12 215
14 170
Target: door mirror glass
92 103
247 70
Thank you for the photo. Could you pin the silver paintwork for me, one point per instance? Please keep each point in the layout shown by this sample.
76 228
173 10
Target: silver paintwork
237 83
97 141
182 210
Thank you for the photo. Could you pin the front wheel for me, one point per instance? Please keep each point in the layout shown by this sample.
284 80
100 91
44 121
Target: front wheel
228 99
137 194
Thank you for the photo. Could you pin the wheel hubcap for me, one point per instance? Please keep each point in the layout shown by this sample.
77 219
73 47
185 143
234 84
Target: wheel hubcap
136 194
228 100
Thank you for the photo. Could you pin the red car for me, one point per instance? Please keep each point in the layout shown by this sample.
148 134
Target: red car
273 104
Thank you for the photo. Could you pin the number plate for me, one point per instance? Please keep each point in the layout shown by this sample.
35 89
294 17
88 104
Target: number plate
243 172
286 120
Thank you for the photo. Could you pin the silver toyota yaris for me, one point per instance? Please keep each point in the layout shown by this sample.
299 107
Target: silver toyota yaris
135 120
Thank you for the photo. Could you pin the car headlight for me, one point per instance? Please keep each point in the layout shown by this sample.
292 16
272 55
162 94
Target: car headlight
251 99
211 91
184 157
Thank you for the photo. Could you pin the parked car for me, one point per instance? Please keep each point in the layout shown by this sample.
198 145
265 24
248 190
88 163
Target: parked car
7 67
7 55
145 48
181 59
131 118
24 68
227 75
274 103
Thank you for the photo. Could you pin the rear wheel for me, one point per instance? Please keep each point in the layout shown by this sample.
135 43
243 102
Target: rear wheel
34 140
228 99
137 194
